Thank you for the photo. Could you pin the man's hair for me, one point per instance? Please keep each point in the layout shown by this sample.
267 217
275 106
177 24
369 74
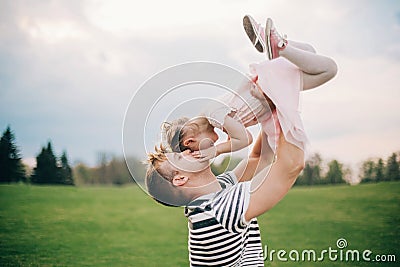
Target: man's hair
159 181
174 132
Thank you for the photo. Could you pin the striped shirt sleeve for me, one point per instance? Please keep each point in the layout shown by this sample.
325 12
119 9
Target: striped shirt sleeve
228 178
230 207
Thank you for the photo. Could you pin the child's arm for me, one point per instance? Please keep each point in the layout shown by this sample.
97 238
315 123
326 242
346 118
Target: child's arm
239 137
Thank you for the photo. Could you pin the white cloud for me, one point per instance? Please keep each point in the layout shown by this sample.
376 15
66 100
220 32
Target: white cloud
52 31
161 18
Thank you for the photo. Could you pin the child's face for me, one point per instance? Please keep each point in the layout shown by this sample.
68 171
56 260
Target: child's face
203 140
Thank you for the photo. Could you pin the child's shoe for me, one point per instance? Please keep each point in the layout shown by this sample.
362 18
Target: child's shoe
275 42
255 32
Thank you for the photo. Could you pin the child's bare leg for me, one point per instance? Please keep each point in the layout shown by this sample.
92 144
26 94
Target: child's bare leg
317 69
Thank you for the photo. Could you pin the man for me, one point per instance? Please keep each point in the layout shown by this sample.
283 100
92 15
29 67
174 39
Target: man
222 211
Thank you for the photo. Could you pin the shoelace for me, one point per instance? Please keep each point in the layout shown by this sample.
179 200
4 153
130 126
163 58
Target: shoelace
282 39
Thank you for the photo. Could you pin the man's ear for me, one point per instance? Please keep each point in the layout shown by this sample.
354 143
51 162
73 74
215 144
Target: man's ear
179 180
188 141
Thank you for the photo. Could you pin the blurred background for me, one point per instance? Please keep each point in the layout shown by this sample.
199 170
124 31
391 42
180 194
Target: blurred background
68 72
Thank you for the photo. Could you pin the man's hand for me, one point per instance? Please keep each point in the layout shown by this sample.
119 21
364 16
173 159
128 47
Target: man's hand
258 93
206 154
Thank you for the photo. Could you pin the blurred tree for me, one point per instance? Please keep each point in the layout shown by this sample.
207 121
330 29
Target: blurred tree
379 171
83 174
335 173
46 170
65 171
103 158
49 170
317 162
348 175
367 171
305 178
392 171
137 170
118 172
311 173
111 170
11 166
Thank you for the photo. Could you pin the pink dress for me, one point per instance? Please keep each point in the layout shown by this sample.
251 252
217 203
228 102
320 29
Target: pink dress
282 82
239 104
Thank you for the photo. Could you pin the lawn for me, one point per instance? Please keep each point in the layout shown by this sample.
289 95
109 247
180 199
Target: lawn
121 226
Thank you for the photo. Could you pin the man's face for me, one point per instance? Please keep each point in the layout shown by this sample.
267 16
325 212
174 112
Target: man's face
185 162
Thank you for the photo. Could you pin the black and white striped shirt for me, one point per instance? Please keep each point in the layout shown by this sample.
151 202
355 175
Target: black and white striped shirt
218 232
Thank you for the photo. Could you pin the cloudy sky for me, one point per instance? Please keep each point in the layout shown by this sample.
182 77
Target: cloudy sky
68 69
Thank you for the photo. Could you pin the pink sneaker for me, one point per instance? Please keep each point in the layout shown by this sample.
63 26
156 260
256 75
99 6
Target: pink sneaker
275 42
255 32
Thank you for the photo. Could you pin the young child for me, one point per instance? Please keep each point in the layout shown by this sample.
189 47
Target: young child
271 98
231 113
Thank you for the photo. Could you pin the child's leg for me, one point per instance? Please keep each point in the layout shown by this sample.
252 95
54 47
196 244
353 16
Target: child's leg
303 46
317 69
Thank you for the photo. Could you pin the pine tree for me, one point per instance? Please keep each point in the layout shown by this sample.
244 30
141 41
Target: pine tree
392 171
65 171
11 167
46 170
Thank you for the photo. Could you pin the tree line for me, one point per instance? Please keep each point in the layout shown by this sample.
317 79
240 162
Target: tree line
113 170
49 168
317 172
110 169
379 170
372 170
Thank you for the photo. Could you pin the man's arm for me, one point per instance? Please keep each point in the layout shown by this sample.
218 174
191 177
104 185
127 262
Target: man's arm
260 157
271 184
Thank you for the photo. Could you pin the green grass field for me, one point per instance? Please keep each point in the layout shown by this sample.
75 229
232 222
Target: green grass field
111 226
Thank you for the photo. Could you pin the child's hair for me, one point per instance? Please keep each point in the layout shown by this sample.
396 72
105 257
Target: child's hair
159 181
176 131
